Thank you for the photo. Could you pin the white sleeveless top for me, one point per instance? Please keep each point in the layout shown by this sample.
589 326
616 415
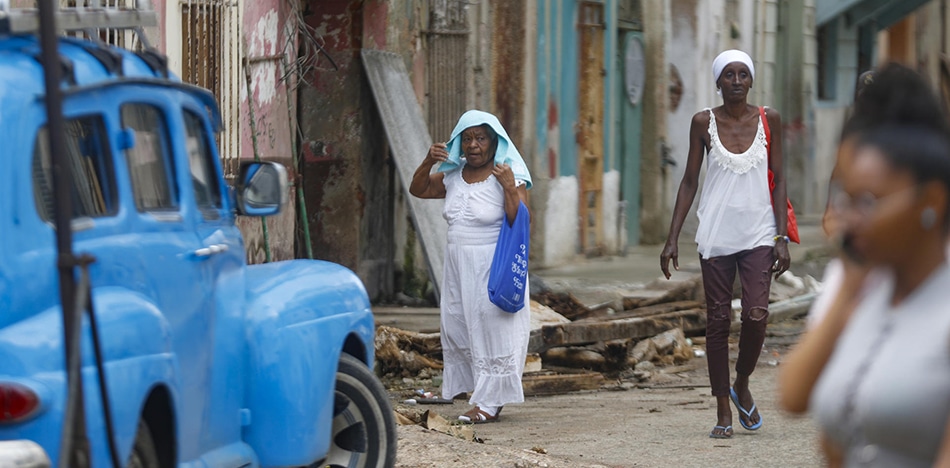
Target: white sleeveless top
735 210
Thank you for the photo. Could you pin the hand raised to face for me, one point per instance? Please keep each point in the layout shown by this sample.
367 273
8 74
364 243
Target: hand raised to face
437 153
504 175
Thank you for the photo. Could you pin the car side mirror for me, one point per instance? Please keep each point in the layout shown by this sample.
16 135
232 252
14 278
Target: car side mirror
261 189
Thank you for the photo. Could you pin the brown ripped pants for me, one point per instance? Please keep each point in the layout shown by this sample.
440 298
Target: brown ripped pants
719 274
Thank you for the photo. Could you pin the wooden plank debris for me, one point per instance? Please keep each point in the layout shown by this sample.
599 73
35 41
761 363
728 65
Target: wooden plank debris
406 353
555 384
576 333
646 311
663 290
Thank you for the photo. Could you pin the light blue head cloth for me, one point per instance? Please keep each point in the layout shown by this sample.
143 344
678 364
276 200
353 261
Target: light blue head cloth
506 153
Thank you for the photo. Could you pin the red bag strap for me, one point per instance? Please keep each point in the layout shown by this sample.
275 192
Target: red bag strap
765 126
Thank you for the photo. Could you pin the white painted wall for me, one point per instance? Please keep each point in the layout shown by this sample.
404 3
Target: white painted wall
697 37
828 122
610 194
561 236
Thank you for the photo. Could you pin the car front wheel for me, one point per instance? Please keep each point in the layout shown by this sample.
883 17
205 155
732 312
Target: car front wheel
364 427
144 454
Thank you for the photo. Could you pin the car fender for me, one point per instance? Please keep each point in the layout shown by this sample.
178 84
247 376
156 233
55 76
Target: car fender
135 342
300 314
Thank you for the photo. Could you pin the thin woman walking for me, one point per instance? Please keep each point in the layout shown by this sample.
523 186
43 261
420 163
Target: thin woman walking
740 228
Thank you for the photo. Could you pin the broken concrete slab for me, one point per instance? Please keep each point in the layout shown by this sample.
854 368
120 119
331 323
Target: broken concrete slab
543 315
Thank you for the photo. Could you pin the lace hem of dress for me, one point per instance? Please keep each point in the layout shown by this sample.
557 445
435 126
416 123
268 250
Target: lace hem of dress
737 163
496 366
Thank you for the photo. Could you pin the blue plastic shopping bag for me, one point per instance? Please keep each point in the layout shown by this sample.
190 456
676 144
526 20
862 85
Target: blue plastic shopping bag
509 267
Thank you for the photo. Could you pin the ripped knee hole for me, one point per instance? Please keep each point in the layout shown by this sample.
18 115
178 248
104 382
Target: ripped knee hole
720 312
758 313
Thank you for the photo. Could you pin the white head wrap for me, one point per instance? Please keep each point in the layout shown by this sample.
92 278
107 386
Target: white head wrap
727 57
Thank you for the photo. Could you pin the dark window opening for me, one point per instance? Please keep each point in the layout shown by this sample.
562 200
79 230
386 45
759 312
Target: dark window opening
149 159
204 177
89 163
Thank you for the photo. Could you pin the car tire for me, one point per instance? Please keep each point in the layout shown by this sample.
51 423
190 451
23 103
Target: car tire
364 426
143 453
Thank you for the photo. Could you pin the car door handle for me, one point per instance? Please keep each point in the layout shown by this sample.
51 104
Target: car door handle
211 250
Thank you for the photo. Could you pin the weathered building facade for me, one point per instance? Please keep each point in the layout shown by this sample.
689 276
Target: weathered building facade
245 53
596 94
856 35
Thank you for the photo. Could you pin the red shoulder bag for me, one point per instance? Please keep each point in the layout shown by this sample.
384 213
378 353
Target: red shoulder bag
792 230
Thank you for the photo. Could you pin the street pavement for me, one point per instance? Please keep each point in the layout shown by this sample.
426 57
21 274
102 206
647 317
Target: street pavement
659 423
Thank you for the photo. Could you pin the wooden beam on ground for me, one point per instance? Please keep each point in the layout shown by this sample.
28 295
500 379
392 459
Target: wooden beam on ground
577 333
662 291
556 384
646 311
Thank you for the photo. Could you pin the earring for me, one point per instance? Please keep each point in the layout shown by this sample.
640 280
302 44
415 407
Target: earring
928 217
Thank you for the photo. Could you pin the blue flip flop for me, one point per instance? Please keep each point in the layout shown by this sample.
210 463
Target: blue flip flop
726 432
748 414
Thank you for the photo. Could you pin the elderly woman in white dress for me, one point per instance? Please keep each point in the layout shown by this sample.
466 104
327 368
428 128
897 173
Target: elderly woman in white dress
483 180
740 228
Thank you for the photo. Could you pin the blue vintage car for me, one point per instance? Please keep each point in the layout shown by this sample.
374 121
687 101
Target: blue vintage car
207 361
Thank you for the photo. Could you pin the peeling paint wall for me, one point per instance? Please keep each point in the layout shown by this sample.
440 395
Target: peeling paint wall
554 161
269 40
348 176
270 33
331 126
557 89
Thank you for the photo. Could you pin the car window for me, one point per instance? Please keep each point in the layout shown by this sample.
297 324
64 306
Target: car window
89 161
149 159
201 163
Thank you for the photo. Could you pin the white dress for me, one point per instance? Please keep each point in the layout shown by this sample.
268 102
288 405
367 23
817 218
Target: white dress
483 346
735 210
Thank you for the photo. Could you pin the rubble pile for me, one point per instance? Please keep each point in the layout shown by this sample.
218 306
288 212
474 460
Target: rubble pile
580 338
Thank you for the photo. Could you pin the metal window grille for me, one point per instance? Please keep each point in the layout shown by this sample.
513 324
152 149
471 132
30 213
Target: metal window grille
210 54
447 46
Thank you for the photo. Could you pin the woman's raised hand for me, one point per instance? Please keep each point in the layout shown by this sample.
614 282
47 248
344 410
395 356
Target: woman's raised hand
504 175
437 153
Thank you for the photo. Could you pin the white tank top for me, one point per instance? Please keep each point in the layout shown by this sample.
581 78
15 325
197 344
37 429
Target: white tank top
735 210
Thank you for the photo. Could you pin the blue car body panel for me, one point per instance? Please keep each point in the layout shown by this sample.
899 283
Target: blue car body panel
246 354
